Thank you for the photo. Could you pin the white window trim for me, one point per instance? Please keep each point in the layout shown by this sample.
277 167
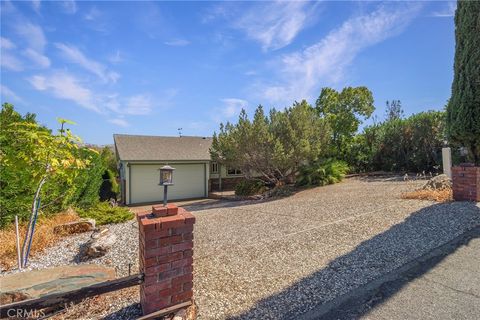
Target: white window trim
214 164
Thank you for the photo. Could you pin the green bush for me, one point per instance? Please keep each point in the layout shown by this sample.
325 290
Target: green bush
411 144
281 191
103 213
249 187
109 188
27 148
322 173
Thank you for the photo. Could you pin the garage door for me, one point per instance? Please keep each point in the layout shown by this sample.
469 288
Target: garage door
189 182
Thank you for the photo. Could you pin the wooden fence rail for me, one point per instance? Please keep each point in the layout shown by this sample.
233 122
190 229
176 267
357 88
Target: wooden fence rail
72 296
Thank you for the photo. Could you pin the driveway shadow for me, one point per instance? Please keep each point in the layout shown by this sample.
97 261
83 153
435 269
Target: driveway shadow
390 253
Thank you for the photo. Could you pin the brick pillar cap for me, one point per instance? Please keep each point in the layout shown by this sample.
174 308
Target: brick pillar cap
153 221
170 209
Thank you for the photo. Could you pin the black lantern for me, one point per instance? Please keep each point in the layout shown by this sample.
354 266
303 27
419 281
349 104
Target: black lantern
166 179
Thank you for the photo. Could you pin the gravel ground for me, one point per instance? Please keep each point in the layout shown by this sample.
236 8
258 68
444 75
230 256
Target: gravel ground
279 259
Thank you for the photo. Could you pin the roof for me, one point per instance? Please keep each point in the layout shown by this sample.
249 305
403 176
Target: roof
150 148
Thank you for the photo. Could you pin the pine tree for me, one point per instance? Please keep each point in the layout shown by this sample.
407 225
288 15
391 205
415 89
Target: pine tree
463 110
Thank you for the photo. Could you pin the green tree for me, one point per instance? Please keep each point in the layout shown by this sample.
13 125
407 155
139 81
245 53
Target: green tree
35 163
273 146
463 111
394 110
344 112
411 144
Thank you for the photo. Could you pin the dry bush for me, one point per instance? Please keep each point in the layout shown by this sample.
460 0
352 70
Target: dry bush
442 195
42 238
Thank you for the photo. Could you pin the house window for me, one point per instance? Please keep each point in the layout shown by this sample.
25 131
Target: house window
233 171
213 167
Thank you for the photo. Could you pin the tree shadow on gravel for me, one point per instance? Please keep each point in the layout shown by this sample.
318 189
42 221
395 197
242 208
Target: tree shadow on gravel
417 244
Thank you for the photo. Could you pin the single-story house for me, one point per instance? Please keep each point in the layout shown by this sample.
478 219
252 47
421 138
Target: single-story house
140 158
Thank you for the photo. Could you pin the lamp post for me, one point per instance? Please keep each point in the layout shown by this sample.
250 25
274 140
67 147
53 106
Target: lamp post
166 179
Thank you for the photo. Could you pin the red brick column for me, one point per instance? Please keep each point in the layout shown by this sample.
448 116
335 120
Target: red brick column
466 183
166 249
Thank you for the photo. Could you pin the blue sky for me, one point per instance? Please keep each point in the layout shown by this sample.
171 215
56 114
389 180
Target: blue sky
153 67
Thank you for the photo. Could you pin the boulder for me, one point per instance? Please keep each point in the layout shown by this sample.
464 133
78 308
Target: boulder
439 182
82 225
99 244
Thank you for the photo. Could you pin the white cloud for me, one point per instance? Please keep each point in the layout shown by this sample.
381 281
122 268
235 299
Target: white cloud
119 122
65 86
447 12
231 107
6 44
6 93
76 56
69 6
93 14
275 24
138 105
116 58
303 72
33 34
10 62
36 5
39 59
177 43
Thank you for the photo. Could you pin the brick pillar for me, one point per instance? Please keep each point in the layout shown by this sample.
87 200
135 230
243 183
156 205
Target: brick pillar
166 250
466 183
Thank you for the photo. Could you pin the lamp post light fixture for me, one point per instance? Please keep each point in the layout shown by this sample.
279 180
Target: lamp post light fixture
166 179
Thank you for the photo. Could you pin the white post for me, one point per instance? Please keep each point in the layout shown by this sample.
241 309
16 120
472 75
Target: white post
447 161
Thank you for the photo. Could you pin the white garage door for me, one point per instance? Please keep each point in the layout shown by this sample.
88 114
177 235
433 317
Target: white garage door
189 182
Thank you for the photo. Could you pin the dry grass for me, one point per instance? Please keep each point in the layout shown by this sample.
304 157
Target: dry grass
443 195
43 237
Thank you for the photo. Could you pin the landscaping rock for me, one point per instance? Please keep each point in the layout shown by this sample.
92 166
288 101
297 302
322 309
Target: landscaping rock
34 284
99 244
83 225
439 182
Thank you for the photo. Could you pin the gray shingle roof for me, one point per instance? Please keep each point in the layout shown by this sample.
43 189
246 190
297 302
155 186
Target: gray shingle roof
148 148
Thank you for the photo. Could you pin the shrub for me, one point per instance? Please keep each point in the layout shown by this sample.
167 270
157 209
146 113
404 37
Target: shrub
411 144
103 213
280 191
249 187
322 173
109 188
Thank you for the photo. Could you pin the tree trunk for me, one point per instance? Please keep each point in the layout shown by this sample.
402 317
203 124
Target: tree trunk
32 214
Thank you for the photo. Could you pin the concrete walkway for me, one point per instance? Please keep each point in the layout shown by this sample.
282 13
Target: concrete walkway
444 285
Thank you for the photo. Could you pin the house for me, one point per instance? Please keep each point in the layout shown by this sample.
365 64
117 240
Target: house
195 175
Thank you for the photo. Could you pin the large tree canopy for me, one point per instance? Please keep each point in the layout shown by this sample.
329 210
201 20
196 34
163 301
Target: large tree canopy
463 111
344 112
273 146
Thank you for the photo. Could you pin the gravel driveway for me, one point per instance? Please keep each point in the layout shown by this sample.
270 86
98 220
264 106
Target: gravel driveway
282 258
279 259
